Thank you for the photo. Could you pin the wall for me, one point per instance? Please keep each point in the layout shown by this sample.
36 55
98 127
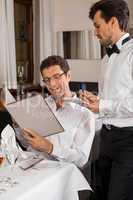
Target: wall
85 70
130 3
73 15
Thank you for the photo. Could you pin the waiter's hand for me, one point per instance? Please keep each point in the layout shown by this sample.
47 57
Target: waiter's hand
90 101
37 141
94 106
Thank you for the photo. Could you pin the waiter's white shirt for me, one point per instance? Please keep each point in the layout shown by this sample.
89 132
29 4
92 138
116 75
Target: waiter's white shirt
74 144
116 86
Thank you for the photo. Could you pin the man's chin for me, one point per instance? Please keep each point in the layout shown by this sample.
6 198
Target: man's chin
105 43
57 96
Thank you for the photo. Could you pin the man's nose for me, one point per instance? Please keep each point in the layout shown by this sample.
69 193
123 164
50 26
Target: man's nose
52 82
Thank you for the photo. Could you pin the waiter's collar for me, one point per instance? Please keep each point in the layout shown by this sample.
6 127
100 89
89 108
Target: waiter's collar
119 42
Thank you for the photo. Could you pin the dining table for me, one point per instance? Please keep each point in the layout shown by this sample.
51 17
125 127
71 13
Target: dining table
47 180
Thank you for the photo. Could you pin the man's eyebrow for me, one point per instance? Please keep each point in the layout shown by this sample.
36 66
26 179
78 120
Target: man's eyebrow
52 75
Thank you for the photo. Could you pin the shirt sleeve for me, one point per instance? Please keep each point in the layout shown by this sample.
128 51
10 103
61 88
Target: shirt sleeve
78 153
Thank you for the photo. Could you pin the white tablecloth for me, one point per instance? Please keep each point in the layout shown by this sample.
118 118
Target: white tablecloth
48 180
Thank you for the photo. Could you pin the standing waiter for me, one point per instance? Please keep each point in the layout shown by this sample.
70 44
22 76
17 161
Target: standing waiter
115 101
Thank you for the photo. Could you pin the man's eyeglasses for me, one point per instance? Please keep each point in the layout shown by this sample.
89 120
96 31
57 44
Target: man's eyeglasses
55 77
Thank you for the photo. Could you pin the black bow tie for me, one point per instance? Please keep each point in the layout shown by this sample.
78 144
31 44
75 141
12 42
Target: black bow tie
112 50
115 49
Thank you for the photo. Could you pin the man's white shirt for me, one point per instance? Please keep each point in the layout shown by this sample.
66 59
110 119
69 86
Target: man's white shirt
74 144
116 86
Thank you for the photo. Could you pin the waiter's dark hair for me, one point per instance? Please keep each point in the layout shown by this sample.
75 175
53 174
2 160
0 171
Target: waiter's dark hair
112 8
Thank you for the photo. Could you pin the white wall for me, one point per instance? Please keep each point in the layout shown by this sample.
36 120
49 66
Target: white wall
72 15
85 70
130 3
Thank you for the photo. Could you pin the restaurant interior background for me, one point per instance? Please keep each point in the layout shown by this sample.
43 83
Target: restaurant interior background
39 28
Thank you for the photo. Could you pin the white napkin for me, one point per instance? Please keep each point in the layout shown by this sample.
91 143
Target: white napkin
13 151
8 144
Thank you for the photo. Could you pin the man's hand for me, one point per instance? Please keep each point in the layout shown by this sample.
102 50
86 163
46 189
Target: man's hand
38 142
94 106
90 101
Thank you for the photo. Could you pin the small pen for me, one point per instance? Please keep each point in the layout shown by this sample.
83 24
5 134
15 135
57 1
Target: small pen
83 87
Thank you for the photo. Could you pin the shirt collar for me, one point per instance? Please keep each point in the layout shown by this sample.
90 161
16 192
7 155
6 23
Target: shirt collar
119 42
50 100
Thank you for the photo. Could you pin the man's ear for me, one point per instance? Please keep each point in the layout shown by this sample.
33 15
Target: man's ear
68 75
114 21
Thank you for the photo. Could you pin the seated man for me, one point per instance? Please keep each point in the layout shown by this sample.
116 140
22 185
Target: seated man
74 144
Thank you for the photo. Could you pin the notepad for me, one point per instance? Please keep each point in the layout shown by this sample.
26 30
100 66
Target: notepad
34 113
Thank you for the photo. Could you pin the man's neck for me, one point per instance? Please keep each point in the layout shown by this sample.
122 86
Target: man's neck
68 94
118 36
60 99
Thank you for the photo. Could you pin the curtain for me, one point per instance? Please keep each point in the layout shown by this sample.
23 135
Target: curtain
87 45
7 45
74 43
46 28
95 47
78 50
60 48
45 32
81 44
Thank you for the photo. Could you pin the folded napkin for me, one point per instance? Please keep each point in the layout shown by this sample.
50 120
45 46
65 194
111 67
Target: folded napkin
8 144
12 150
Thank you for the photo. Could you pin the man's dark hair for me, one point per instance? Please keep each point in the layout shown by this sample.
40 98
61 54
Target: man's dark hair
55 60
112 8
